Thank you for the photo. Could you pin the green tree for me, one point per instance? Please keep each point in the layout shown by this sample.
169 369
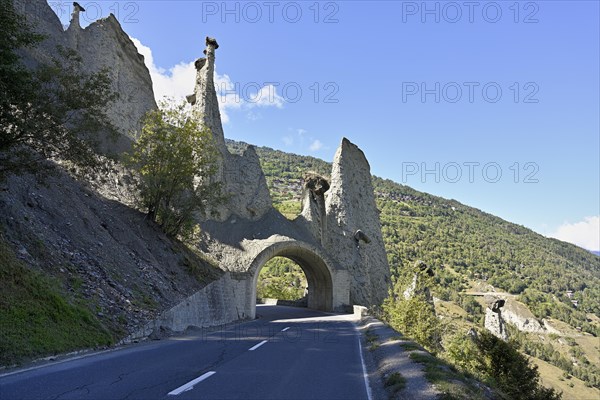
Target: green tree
54 111
415 318
499 364
281 279
462 352
511 371
177 160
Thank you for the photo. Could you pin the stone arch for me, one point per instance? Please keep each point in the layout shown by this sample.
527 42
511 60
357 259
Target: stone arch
320 272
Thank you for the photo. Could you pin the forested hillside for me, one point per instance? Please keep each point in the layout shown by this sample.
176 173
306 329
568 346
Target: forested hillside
479 245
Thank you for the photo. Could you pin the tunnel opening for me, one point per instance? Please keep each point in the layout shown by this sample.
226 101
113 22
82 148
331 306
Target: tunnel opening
319 285
283 280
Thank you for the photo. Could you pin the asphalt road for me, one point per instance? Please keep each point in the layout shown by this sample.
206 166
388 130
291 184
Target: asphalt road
287 353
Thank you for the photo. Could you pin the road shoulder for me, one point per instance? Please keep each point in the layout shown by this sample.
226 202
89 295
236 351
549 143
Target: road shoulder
392 373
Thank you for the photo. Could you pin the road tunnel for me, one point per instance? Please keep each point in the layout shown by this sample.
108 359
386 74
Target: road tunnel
317 271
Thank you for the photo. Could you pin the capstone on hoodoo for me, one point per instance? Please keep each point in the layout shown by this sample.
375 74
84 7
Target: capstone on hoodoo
421 280
314 216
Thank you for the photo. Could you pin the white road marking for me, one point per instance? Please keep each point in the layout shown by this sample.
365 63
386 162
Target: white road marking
284 330
257 346
364 368
190 385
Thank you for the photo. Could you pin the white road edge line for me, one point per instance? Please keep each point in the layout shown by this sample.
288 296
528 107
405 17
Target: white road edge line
284 330
257 346
190 385
53 363
364 368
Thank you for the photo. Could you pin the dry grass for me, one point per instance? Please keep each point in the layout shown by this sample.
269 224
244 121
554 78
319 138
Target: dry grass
450 309
590 346
553 377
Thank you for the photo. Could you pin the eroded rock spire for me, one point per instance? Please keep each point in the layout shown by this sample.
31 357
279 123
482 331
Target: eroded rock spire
493 317
353 231
204 100
243 181
74 24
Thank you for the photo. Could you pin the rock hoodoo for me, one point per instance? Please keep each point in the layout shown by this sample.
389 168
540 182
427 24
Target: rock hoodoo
243 180
493 317
314 215
204 100
74 24
350 207
420 282
101 45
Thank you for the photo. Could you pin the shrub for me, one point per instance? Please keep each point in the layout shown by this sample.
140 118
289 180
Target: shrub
499 364
177 159
415 318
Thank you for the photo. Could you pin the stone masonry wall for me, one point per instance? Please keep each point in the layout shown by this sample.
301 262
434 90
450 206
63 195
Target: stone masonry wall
218 303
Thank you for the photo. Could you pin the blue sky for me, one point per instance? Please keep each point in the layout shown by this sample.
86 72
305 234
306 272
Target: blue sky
442 96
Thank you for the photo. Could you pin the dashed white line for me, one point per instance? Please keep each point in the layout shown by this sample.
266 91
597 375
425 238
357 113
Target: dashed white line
284 330
257 346
190 385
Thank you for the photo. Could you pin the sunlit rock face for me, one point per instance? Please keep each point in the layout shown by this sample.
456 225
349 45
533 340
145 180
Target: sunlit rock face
101 45
243 180
350 207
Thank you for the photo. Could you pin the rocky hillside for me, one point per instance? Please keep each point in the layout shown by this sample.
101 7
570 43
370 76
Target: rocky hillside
105 267
80 266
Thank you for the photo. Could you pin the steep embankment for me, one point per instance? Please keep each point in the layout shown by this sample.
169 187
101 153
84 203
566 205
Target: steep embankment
80 266
83 269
